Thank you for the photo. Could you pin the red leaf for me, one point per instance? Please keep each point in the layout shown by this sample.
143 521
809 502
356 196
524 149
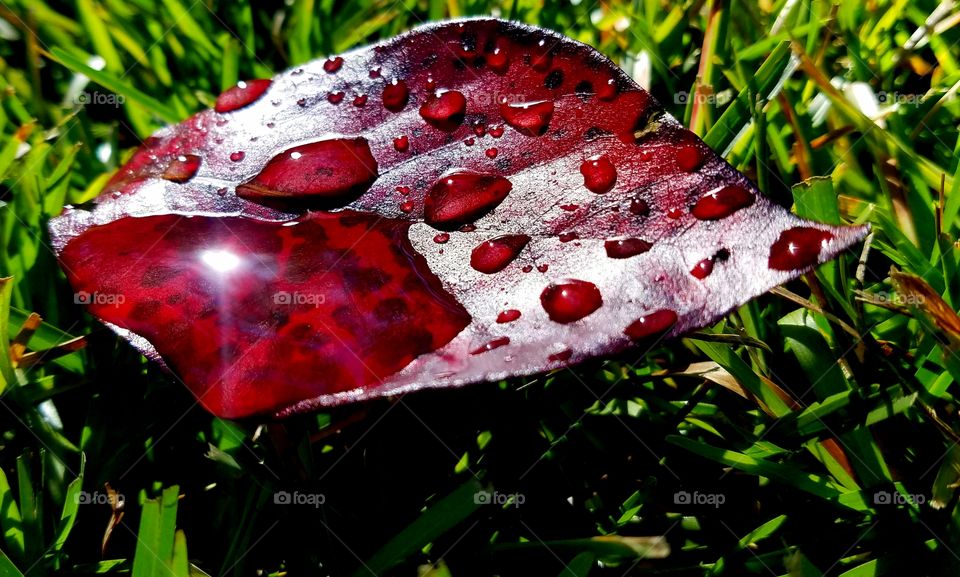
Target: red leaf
496 200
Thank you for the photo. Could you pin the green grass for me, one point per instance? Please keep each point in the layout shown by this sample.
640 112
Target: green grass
816 426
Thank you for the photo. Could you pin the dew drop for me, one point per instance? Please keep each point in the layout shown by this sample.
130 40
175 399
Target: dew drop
335 97
329 170
508 316
375 73
527 268
568 236
332 64
491 153
569 207
499 58
496 131
360 100
495 254
243 94
395 96
543 267
406 206
798 247
462 197
403 190
626 247
599 174
529 118
570 300
401 143
182 168
479 129
639 207
445 111
675 213
441 238
237 156
561 357
702 269
469 141
494 344
652 324
722 202
689 157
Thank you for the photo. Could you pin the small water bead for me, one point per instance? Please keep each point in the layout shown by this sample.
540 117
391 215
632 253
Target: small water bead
182 168
496 131
639 207
401 143
626 247
237 156
651 325
480 129
395 96
302 102
569 207
689 157
494 255
607 90
570 300
498 59
469 141
406 206
560 357
403 190
527 268
468 228
375 73
798 248
442 238
243 94
675 213
360 100
599 174
491 153
494 344
702 269
722 202
508 316
568 236
543 267
462 197
529 118
445 111
332 64
335 97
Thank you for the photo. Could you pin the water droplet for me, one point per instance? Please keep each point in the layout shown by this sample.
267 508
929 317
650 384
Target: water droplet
395 96
543 267
360 100
607 90
222 191
542 61
722 202
468 228
375 73
302 102
499 58
561 357
529 118
508 316
332 64
798 247
237 156
652 324
568 236
570 300
675 213
243 94
479 129
495 254
401 143
639 207
702 269
329 170
689 157
335 97
407 206
626 247
462 197
496 131
469 141
182 168
599 174
403 190
441 238
445 111
494 344
527 268
569 207
491 153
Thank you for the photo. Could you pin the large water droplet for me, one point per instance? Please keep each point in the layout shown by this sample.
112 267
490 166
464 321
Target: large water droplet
689 157
329 170
401 143
395 96
599 174
493 344
652 324
626 247
499 58
182 168
508 316
570 300
529 118
462 197
243 94
445 111
798 247
495 254
722 202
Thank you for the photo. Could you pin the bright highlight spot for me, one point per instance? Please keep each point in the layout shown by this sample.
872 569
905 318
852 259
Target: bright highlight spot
220 260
